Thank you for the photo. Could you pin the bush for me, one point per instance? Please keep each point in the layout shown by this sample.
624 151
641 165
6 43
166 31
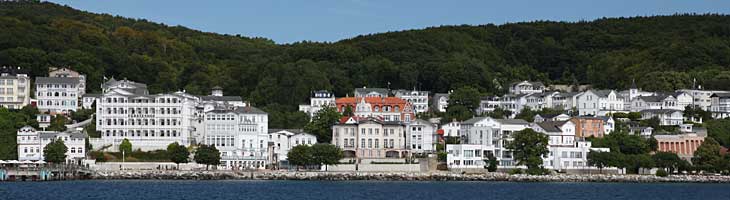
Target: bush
515 171
662 173
442 156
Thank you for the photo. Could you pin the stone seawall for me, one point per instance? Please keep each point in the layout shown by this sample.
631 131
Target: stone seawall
395 176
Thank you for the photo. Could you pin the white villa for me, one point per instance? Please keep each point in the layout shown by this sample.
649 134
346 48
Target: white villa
14 88
418 99
283 140
421 136
317 101
240 134
32 142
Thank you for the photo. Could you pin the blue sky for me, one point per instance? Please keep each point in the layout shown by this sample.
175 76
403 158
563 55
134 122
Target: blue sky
320 20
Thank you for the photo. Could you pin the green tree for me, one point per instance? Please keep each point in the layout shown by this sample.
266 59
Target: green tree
458 112
719 130
207 155
491 163
58 123
55 152
321 124
326 154
707 156
667 160
348 111
300 155
499 113
529 147
599 159
125 146
178 153
462 103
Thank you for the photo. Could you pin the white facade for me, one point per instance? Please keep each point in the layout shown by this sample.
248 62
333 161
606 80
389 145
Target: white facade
240 134
149 122
89 100
702 98
317 101
32 142
526 87
655 102
493 135
421 136
452 129
370 138
566 152
599 102
284 140
440 101
465 156
720 105
57 94
14 88
418 99
667 117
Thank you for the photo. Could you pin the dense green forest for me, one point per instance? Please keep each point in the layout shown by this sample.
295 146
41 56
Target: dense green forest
661 53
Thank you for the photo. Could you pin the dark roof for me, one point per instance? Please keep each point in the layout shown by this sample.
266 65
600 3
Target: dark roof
369 90
92 95
654 98
60 80
221 98
723 95
52 134
552 126
511 121
660 111
217 88
239 110
473 120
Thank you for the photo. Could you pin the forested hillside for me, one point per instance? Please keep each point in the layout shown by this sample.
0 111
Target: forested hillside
661 53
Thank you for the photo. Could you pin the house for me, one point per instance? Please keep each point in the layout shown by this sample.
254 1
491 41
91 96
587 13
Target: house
643 131
216 96
318 100
57 95
654 102
370 138
667 117
371 92
240 134
526 87
44 120
386 108
599 102
565 100
89 100
588 126
550 117
492 134
720 105
684 145
440 101
283 140
417 99
465 156
608 124
452 129
566 152
702 98
421 136
31 144
14 88
632 93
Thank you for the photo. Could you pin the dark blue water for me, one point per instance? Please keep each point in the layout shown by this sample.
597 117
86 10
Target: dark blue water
169 190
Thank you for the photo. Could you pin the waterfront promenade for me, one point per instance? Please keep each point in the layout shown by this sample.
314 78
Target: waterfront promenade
400 176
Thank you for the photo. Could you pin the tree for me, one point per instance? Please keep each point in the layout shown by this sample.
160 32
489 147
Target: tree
667 160
300 155
321 124
599 159
55 152
652 122
528 148
499 113
707 156
125 146
326 154
719 130
462 103
207 155
348 111
178 153
491 163
58 123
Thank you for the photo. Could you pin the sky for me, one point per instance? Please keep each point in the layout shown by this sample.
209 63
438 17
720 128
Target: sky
329 21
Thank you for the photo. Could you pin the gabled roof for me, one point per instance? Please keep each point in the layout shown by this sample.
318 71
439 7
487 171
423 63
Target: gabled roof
369 90
660 111
473 120
57 80
53 134
552 126
239 110
512 121
655 98
721 95
221 98
293 131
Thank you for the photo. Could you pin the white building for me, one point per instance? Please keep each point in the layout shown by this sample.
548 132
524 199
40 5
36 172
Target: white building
667 117
283 140
440 101
317 101
452 129
240 134
89 100
57 94
370 138
418 99
565 100
702 98
216 97
149 122
32 142
599 103
68 73
14 88
566 152
493 135
526 87
465 156
371 92
421 136
720 105
655 102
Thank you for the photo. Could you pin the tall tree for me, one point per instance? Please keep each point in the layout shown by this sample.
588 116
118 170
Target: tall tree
528 148
207 155
55 152
300 155
321 124
178 153
707 156
326 154
58 123
125 146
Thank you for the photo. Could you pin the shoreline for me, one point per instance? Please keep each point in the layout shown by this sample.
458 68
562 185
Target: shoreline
398 176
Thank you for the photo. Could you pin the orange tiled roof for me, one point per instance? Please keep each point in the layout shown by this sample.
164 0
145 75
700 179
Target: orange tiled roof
371 100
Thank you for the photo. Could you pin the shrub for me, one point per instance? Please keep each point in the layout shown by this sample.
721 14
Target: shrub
442 156
662 173
515 171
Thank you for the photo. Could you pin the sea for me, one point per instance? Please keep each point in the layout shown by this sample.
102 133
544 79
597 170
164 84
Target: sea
390 190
